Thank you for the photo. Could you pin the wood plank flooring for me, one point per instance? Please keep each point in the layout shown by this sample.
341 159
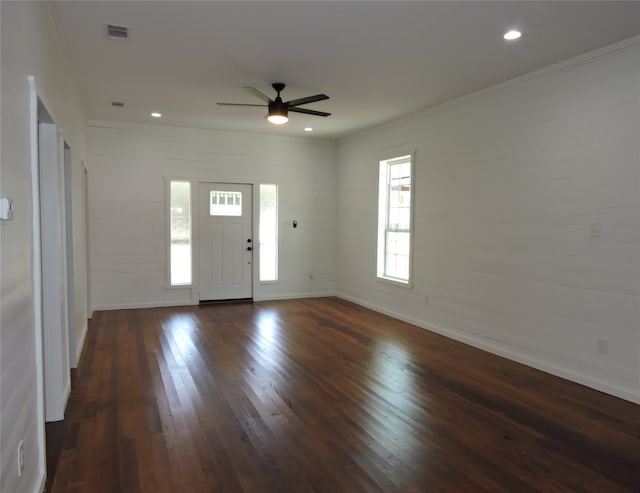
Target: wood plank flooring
320 395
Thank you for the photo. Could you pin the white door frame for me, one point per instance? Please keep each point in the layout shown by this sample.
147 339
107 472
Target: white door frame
87 258
70 264
36 272
51 264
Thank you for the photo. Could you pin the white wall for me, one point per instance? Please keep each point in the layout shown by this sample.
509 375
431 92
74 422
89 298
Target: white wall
510 183
30 46
128 208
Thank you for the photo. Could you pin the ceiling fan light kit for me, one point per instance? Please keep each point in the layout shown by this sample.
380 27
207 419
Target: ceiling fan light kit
278 119
278 110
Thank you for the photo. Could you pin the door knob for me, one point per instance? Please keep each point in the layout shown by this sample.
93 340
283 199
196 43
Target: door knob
249 249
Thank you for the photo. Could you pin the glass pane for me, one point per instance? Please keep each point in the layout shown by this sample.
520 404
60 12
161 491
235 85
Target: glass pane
397 255
225 203
394 218
404 216
398 243
402 267
180 232
405 169
268 232
395 171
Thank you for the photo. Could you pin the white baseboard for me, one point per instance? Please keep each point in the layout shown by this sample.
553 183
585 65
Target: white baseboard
294 296
161 304
80 342
504 351
43 483
144 304
66 394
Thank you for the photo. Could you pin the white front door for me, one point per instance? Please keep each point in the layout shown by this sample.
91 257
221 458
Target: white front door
226 242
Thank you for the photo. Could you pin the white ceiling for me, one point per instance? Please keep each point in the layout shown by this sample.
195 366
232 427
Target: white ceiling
376 60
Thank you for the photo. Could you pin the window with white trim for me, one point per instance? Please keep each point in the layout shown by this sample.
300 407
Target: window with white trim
268 232
179 233
395 219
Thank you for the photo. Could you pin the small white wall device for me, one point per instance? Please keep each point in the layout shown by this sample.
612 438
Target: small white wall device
6 208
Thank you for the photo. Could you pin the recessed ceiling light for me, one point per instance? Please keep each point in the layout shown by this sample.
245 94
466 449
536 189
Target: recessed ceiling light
511 35
308 129
155 114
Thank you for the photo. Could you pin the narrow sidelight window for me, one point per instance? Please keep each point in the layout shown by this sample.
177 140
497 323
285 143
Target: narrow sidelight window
180 232
268 232
395 220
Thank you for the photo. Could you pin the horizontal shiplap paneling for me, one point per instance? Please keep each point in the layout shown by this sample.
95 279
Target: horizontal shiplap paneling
527 219
128 170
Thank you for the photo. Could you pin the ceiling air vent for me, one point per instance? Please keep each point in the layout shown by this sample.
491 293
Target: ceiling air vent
117 103
115 31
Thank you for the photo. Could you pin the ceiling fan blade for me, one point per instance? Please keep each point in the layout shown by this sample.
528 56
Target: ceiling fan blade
241 104
309 112
309 99
258 94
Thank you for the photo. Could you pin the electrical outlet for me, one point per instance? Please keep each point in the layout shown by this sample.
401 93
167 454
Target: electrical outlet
602 345
20 458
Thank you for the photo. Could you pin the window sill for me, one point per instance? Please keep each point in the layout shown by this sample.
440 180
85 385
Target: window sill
178 286
395 282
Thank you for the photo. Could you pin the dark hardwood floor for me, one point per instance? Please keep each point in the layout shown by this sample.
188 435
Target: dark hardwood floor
322 395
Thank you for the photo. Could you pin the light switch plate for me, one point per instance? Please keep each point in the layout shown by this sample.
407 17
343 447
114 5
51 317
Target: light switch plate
6 208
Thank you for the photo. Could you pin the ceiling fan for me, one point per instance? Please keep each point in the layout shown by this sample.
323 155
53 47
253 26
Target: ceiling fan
278 109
